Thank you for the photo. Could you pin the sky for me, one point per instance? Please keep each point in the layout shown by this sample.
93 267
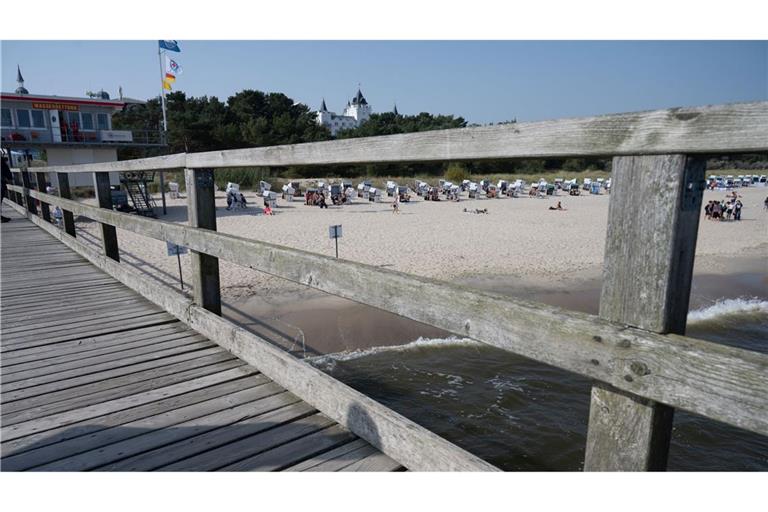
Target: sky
483 81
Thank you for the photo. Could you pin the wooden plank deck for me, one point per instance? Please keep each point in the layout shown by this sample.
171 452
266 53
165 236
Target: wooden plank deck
95 377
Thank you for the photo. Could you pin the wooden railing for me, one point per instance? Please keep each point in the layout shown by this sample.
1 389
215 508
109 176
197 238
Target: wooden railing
634 348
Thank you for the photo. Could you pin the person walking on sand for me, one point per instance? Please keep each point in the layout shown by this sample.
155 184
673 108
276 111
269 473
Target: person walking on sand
396 204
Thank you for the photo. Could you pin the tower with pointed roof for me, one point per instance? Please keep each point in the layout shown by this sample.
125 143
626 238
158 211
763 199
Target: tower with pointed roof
20 80
356 113
358 108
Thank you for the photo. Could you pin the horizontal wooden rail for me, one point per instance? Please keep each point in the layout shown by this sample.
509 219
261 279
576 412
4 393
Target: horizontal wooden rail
731 128
410 444
723 383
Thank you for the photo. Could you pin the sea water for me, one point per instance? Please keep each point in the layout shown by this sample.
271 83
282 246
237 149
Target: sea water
525 416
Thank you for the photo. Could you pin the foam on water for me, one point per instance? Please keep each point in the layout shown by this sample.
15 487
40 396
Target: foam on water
451 341
728 308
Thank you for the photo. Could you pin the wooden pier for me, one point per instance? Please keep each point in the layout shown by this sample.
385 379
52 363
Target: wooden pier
67 385
96 377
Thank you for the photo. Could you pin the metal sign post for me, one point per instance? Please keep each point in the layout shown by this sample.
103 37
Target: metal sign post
335 233
178 250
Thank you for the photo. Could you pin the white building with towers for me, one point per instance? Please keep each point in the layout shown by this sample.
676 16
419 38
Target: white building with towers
355 114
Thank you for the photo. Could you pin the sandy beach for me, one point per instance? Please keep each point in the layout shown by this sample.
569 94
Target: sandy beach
518 247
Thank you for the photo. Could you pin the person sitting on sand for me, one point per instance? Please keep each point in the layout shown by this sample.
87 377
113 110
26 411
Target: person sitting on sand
268 210
558 207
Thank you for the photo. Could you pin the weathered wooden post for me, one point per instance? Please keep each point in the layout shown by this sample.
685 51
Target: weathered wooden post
62 185
28 200
653 221
16 196
44 208
201 211
104 198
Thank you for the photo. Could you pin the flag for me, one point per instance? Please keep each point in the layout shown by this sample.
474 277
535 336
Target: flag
166 85
172 67
172 46
169 78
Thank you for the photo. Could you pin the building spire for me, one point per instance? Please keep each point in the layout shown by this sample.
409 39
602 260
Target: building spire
323 108
20 80
394 110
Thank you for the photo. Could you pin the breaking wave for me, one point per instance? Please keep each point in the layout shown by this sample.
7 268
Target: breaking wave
421 343
729 308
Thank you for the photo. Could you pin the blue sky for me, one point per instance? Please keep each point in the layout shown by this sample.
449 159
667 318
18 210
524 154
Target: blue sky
484 81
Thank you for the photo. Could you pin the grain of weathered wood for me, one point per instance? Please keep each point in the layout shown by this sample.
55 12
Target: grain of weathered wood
27 184
10 395
90 394
336 459
62 186
214 432
127 357
181 397
167 162
294 451
735 128
65 418
45 210
722 383
116 443
655 204
201 208
278 433
103 191
711 129
111 351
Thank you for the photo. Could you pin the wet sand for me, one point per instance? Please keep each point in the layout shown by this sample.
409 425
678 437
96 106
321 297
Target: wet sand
310 323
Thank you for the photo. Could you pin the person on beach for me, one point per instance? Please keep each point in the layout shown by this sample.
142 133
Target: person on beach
737 206
267 210
728 211
716 210
708 210
558 207
7 178
396 204
321 201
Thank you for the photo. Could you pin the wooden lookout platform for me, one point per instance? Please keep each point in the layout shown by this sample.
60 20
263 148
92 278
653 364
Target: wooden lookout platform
96 377
103 368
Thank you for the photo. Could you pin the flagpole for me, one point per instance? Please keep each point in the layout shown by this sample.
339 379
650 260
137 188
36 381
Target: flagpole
165 125
162 89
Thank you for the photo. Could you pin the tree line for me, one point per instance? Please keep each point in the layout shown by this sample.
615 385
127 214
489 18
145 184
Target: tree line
254 118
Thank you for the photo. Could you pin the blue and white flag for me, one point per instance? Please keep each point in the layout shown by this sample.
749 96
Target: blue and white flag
171 66
172 46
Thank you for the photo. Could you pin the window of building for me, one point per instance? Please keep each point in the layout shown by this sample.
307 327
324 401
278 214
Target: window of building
38 119
103 121
22 118
73 119
87 120
7 119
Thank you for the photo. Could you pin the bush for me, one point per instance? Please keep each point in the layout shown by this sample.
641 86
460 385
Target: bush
456 173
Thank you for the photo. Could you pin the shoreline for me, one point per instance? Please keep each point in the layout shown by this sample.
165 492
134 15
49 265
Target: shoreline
309 323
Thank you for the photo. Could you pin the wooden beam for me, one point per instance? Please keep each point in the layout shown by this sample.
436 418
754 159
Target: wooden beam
45 210
62 186
104 199
167 162
28 200
730 128
740 127
653 221
719 382
201 208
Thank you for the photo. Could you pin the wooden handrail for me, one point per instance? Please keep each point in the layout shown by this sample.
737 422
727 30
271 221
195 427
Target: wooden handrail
719 382
731 128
